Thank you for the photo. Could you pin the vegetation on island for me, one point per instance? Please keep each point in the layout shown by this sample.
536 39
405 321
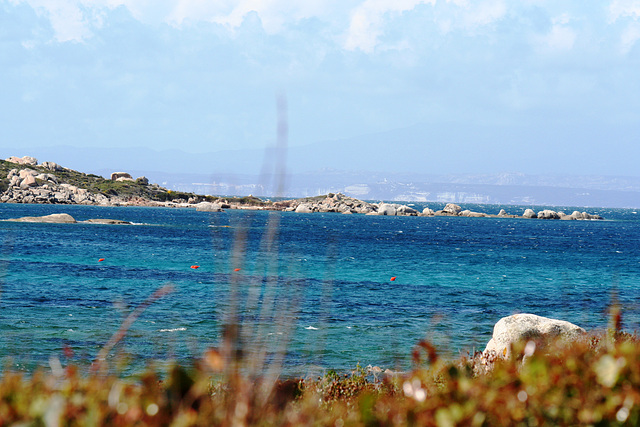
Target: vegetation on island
124 189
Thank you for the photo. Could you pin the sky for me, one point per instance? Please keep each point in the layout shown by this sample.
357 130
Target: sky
203 76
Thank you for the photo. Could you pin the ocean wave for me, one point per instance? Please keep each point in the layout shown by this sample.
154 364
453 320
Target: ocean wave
173 330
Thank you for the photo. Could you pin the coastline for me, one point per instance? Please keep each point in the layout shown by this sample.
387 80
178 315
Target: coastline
28 181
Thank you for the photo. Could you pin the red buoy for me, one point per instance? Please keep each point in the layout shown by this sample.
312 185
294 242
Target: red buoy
101 259
236 269
393 278
195 266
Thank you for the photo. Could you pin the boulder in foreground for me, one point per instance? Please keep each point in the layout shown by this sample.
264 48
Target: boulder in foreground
528 327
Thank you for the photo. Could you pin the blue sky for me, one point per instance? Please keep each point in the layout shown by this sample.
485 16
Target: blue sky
201 75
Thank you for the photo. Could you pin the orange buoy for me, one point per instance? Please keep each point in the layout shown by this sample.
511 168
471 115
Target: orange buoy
393 278
236 269
195 266
101 259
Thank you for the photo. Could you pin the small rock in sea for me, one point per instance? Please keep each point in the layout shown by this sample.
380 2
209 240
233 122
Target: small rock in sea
106 221
53 218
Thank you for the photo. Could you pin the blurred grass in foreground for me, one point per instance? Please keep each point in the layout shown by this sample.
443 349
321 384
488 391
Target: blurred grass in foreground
595 381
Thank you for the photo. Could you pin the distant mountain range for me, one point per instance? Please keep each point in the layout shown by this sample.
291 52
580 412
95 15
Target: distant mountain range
398 165
588 191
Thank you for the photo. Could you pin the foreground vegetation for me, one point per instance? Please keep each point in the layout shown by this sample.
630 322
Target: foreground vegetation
594 382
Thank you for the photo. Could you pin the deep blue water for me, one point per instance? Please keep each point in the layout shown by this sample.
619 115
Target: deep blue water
325 279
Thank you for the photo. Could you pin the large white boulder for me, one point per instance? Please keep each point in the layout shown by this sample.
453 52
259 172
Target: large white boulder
581 216
31 161
14 159
548 214
472 214
27 172
26 160
115 176
528 327
52 166
386 209
304 208
208 207
452 209
406 210
28 181
428 211
529 213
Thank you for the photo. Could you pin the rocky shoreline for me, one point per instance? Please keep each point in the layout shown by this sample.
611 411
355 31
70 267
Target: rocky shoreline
30 182
340 203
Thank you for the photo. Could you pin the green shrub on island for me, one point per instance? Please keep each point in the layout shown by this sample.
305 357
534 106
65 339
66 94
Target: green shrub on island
99 185
594 381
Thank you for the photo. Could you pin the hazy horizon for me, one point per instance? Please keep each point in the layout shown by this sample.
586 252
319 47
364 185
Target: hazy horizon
425 86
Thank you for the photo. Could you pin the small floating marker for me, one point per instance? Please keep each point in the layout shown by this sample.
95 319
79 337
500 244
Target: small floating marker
393 279
195 267
236 269
101 259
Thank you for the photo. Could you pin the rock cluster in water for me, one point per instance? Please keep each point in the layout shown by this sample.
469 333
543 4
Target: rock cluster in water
338 203
348 205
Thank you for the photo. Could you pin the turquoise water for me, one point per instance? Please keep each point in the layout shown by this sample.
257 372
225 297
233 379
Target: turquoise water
323 282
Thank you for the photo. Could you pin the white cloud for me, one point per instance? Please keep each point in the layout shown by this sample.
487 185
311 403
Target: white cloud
275 14
562 19
484 12
68 21
72 20
367 21
624 8
629 38
559 39
468 15
619 9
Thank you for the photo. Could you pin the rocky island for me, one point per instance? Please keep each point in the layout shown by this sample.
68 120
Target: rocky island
25 180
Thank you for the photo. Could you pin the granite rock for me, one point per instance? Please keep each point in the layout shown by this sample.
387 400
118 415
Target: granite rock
529 327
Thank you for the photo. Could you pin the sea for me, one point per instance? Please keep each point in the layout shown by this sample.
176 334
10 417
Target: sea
310 292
